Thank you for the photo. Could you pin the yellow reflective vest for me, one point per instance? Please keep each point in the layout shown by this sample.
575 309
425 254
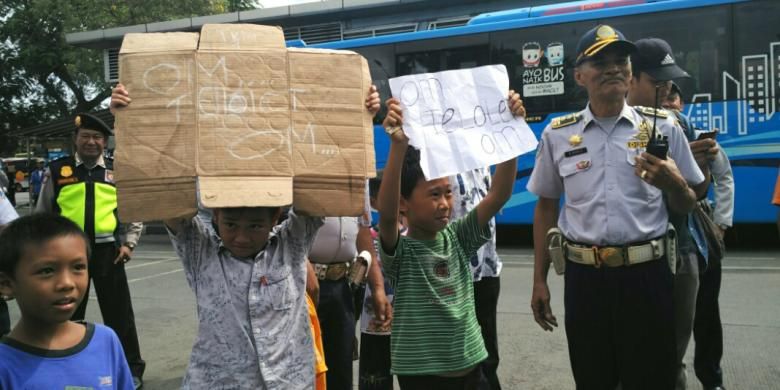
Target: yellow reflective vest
86 197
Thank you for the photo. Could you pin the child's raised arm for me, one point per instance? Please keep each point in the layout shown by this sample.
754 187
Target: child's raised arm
390 189
503 178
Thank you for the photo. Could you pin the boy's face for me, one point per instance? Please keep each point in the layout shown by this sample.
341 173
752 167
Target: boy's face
429 207
50 280
244 231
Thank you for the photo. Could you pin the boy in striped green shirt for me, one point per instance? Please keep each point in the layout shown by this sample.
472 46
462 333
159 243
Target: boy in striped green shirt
436 341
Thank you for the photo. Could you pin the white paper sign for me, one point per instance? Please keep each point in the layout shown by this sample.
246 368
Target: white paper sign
460 119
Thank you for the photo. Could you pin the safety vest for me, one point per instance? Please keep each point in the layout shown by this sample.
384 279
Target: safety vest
86 197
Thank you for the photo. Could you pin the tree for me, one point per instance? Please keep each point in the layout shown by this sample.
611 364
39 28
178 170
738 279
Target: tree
43 78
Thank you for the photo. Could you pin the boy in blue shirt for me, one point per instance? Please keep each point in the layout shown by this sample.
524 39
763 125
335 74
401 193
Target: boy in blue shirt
43 265
435 340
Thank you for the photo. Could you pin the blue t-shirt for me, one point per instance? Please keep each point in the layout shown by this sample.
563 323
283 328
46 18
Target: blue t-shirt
96 363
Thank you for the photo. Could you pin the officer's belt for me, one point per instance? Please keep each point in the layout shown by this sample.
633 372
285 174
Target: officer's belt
333 271
615 256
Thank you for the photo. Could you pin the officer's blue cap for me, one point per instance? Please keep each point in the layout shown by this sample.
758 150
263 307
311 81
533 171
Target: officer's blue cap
91 122
600 37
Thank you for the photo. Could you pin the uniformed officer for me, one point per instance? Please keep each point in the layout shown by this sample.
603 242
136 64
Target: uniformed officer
82 188
618 281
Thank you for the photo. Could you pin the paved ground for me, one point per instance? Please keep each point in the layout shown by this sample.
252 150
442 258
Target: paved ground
531 358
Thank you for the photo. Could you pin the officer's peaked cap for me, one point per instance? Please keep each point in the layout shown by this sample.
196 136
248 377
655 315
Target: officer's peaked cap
600 37
91 122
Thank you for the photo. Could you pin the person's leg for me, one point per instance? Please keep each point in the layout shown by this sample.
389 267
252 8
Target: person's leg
116 307
589 295
686 285
374 365
5 319
486 293
707 329
434 382
645 326
337 322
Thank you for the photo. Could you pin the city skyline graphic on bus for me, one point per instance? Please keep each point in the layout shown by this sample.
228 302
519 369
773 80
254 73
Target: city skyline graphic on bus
746 117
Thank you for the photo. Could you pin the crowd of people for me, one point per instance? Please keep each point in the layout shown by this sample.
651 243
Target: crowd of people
278 293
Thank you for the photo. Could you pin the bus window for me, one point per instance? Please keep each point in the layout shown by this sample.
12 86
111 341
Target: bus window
700 39
540 62
439 60
757 49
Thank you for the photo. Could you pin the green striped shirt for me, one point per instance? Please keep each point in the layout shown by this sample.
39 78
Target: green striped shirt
435 327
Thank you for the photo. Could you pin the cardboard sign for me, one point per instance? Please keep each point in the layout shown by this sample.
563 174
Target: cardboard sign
249 122
460 119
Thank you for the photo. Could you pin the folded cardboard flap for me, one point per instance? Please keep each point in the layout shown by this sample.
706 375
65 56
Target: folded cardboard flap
144 200
331 196
155 153
239 37
242 191
253 123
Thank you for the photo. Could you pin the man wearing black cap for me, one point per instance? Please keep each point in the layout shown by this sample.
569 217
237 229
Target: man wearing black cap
613 226
82 188
654 68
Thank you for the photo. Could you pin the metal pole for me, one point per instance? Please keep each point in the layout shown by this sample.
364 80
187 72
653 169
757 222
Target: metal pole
29 184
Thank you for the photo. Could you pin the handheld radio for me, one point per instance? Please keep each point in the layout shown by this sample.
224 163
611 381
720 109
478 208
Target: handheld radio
658 145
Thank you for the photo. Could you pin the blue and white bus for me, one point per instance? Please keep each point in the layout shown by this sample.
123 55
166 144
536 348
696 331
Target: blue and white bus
731 48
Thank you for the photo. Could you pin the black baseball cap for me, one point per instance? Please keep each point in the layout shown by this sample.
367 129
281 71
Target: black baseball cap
654 56
91 122
599 37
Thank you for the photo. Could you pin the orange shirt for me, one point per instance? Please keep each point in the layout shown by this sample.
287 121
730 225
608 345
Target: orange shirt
319 353
776 198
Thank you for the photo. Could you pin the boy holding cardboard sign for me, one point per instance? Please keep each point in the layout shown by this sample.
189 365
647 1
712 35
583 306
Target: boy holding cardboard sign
249 278
436 341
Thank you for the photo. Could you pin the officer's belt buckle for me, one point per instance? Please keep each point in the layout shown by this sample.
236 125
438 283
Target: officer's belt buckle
333 272
610 256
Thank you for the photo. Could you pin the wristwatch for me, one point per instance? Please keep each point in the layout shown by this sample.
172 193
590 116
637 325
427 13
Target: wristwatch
130 245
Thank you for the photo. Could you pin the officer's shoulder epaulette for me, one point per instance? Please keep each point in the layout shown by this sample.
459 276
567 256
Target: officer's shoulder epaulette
661 113
566 120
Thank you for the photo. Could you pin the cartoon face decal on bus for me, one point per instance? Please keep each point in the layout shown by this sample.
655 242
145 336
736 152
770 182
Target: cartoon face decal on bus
554 54
532 54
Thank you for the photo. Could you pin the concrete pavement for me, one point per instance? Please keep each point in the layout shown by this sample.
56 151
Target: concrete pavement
530 358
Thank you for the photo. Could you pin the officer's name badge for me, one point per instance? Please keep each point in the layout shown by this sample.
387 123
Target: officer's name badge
66 171
575 152
575 140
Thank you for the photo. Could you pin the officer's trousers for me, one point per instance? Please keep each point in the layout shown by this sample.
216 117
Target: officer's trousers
620 326
5 319
486 293
686 286
707 328
113 296
337 323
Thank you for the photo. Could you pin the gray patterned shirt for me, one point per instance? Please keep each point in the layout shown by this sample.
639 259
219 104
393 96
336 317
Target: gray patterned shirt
468 189
253 330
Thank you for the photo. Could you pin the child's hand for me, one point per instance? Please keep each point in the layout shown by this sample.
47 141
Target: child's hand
120 98
372 100
394 120
516 104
